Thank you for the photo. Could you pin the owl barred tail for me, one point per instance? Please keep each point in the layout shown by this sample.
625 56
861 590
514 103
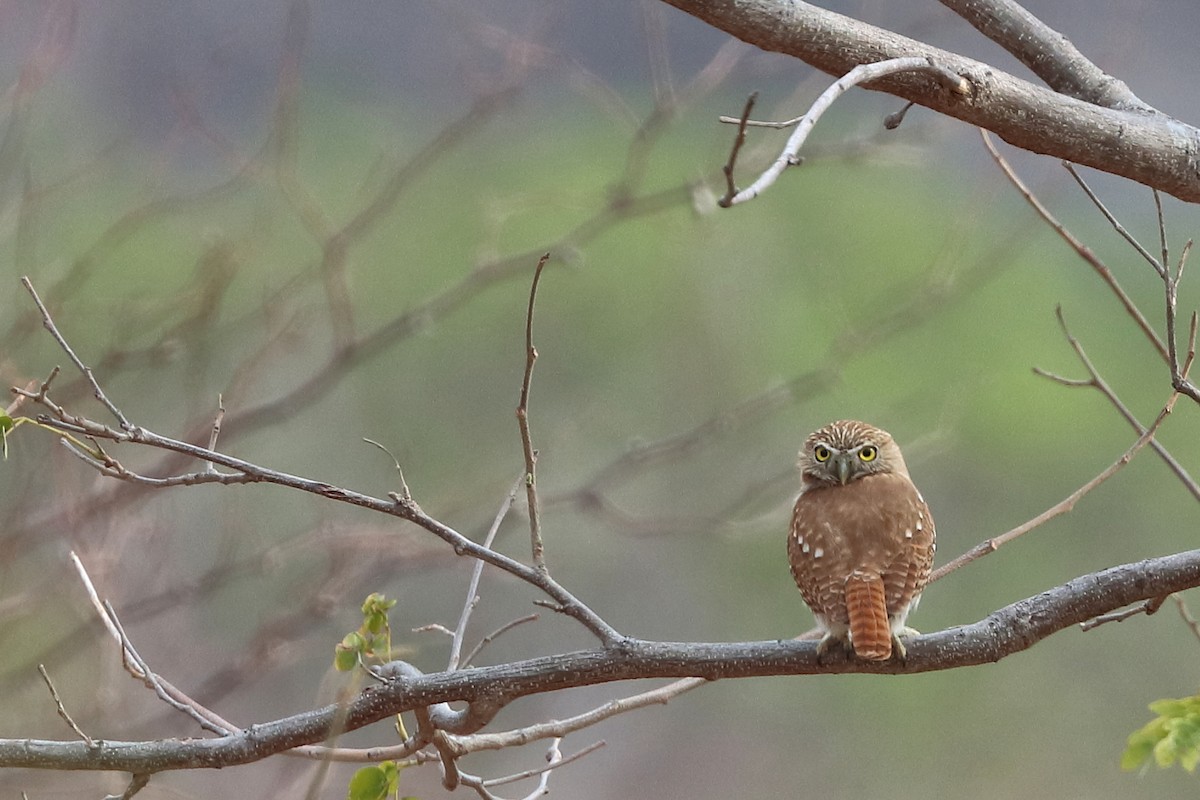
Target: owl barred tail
866 605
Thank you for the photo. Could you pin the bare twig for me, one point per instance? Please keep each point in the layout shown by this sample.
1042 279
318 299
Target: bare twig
460 630
565 602
1148 607
1097 382
560 728
738 140
216 431
405 495
206 718
1184 612
535 525
1081 249
862 73
1159 266
491 637
1179 377
62 711
48 323
1062 507
1162 232
555 760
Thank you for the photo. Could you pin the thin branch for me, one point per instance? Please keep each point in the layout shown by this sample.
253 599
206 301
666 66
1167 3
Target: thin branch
1097 382
560 728
460 630
1067 504
1162 232
1148 607
862 73
401 507
48 323
1179 376
62 711
535 526
494 635
555 759
404 495
216 431
1186 614
1081 249
565 602
1158 266
738 141
206 718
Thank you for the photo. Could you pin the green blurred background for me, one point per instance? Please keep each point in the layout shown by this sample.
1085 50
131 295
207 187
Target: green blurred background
171 180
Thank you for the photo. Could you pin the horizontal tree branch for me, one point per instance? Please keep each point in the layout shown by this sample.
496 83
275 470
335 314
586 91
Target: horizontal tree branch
1144 146
1006 631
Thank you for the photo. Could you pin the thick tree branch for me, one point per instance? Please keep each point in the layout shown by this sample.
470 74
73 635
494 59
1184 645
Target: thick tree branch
1046 52
1148 147
1009 630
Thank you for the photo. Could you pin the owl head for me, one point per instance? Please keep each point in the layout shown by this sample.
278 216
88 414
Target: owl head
847 450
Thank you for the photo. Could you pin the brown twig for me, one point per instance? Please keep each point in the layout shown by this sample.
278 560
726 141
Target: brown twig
1081 249
405 494
1186 614
247 472
62 711
535 525
1067 504
491 637
738 140
48 323
206 718
1097 382
1159 266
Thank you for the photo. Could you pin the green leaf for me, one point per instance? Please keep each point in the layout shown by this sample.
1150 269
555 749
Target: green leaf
6 422
348 651
1141 744
369 783
374 783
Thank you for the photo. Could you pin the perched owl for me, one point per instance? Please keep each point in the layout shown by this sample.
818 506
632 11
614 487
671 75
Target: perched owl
862 541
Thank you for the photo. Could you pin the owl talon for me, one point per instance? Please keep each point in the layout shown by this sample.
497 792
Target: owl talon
898 649
829 642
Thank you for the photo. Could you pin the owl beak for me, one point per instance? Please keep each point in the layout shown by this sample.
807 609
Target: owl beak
843 467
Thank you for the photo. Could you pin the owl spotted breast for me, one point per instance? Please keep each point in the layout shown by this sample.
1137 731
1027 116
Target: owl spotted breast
861 544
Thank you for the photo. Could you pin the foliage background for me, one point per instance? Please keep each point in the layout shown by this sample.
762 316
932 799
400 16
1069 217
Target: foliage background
657 325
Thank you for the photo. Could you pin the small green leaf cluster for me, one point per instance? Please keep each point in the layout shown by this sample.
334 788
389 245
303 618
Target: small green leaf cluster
372 640
1174 735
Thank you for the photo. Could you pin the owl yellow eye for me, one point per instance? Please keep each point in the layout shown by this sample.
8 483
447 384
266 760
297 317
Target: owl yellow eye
868 453
821 453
